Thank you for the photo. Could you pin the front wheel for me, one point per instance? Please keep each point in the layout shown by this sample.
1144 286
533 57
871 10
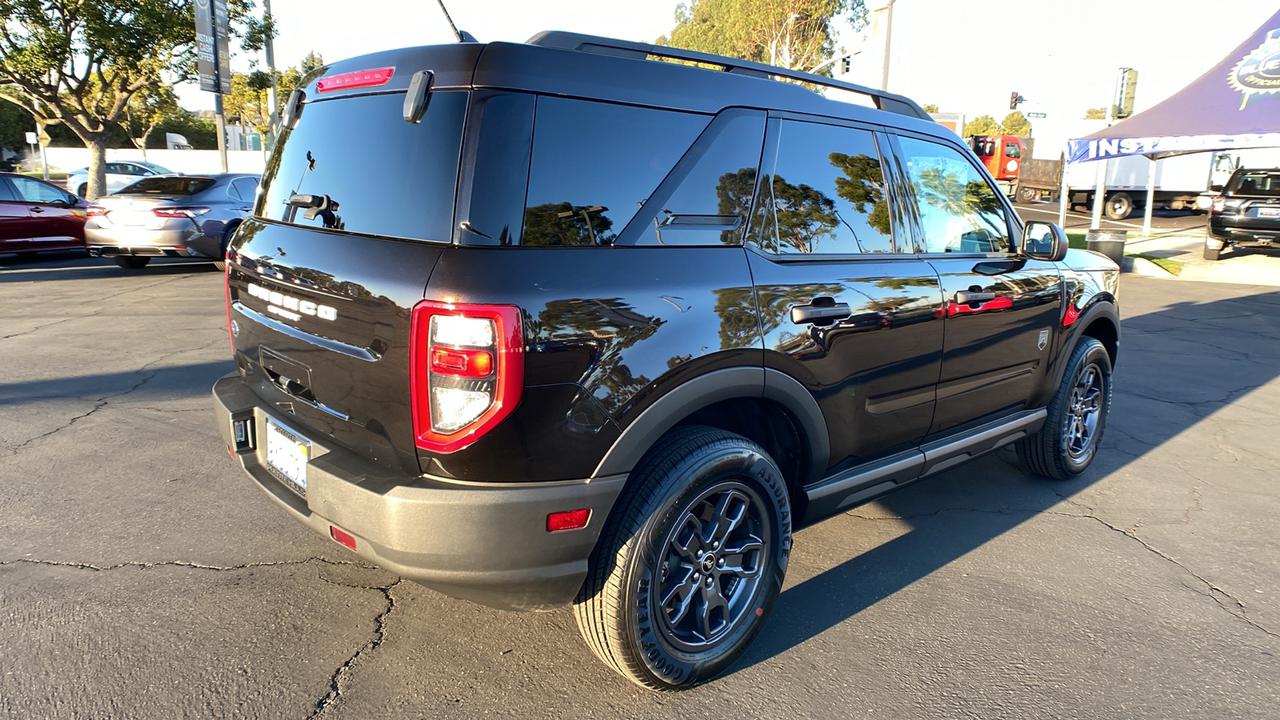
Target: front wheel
1068 441
690 562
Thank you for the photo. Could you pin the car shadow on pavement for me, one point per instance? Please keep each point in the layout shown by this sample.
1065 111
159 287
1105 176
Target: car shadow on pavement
1177 366
86 268
170 381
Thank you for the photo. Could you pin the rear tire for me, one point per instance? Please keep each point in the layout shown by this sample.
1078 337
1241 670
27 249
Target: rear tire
131 262
83 190
1026 194
1212 253
690 562
1068 441
1118 206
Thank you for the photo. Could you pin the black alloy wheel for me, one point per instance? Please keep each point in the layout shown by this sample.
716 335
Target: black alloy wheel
690 562
1077 415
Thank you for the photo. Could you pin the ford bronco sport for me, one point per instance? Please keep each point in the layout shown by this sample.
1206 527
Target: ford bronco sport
547 323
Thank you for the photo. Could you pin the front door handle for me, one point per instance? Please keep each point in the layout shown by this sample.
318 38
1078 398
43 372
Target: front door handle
37 209
969 297
802 314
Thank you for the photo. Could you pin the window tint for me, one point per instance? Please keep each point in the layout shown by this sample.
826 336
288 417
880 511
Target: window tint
356 165
717 182
174 185
958 210
826 193
1257 183
595 164
117 168
34 191
501 173
244 188
6 191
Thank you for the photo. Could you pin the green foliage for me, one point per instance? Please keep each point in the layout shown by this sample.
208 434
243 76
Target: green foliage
982 125
15 123
1015 123
249 102
929 108
200 132
147 108
795 34
1095 114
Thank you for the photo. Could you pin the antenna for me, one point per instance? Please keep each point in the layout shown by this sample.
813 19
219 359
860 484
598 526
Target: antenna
463 35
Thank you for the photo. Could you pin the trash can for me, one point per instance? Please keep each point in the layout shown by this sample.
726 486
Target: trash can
1107 242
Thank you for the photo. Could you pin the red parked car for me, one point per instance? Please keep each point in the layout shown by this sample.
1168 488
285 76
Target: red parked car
35 215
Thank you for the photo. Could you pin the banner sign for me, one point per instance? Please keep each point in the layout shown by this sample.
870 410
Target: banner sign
1084 150
213 51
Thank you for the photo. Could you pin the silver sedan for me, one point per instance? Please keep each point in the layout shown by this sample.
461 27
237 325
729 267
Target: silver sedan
171 216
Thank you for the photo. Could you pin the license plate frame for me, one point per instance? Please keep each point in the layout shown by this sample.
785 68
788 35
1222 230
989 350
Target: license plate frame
287 456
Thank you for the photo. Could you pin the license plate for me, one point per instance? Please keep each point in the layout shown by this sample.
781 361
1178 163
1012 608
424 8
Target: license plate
287 455
133 218
1268 212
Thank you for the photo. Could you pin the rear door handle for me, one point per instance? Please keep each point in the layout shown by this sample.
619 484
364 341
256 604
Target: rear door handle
802 314
969 297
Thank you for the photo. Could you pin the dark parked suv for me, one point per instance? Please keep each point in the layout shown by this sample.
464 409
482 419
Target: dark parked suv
1246 214
548 323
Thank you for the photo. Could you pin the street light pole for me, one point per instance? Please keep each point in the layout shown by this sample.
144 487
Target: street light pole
888 37
274 121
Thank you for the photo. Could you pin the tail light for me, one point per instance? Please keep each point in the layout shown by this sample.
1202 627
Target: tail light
173 212
467 371
95 211
1219 204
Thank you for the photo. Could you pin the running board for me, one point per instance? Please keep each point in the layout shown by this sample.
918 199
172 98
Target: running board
865 482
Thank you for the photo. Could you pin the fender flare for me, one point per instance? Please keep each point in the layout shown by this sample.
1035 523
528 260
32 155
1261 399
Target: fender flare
1103 308
711 388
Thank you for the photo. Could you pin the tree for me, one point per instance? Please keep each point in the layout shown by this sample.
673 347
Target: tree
796 34
1015 123
1095 114
79 62
982 125
929 108
148 108
15 123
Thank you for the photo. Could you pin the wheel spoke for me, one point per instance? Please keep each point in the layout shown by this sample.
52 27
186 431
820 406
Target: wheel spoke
713 601
736 559
729 513
688 539
681 593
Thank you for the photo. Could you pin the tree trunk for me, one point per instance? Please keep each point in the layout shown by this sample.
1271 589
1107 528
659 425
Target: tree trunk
97 168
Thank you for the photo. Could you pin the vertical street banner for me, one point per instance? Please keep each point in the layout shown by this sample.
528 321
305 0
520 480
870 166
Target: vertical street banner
213 52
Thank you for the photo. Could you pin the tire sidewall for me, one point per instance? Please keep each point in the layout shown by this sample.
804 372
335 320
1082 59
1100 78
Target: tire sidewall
1093 354
645 630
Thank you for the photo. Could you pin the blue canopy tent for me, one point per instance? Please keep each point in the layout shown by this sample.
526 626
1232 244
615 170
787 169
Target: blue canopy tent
1235 105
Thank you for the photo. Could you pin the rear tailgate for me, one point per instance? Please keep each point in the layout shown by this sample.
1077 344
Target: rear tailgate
354 211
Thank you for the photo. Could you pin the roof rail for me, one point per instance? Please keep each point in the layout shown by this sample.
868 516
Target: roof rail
624 48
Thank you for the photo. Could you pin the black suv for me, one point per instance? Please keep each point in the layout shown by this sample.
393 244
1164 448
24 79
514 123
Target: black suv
548 323
1246 214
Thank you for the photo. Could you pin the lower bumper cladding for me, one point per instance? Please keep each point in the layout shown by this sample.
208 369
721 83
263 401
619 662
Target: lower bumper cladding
489 543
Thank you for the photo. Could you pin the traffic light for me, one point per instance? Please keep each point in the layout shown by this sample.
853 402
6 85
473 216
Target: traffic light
1014 99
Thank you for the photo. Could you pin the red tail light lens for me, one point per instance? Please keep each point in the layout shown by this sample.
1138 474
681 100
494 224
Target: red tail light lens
1219 204
359 79
467 371
95 211
185 212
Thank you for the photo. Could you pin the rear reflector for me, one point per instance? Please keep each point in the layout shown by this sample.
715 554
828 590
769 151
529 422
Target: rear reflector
362 78
346 540
568 520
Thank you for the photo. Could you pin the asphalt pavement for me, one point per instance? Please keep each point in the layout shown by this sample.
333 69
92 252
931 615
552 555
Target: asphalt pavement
142 576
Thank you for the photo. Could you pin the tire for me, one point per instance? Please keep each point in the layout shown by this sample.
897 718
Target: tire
221 262
131 262
83 189
1026 194
1118 206
1067 443
661 535
1212 253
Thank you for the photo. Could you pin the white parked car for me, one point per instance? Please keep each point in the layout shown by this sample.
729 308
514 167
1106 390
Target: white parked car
119 174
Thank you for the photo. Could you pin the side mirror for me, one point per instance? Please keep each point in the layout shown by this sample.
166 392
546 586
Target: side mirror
1044 241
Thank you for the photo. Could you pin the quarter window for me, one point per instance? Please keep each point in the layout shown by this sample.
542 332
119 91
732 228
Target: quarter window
826 193
595 164
958 211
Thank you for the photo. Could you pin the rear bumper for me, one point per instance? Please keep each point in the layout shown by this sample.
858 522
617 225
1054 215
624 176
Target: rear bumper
1246 234
188 242
482 542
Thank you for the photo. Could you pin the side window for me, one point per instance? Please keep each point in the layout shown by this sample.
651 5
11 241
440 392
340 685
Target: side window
958 211
827 192
7 193
34 191
1012 150
715 184
595 164
244 188
117 168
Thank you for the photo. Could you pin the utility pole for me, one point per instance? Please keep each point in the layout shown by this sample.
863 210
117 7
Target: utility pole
274 121
888 38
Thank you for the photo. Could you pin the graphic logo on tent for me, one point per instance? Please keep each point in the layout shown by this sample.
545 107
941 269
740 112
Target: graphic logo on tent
1259 71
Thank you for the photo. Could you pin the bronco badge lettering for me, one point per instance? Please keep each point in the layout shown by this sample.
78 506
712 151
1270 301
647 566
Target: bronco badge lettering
292 307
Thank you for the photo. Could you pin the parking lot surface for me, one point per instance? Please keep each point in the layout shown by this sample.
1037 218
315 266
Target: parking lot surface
141 575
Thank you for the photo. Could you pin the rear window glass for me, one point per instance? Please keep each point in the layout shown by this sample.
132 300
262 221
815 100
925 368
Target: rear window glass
354 164
179 185
1258 183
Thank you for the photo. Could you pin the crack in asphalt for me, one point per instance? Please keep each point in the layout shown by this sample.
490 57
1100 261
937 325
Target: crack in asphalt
379 636
99 311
